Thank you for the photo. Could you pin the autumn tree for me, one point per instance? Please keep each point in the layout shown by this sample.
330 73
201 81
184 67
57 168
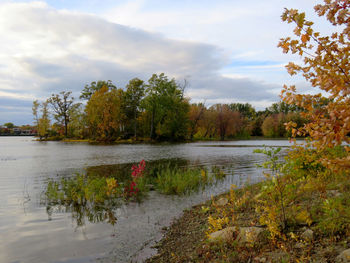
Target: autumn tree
62 105
207 124
325 65
195 115
44 121
35 112
226 120
104 114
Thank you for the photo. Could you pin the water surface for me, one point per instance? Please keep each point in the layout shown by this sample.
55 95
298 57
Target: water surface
29 234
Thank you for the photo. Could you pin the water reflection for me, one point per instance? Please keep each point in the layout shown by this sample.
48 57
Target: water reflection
95 195
80 213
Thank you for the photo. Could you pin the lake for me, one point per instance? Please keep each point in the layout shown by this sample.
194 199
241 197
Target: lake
30 234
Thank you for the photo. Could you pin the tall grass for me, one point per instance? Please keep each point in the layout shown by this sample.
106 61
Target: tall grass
181 181
174 180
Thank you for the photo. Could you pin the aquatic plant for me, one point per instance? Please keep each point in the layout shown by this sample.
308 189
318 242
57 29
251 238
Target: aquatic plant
185 180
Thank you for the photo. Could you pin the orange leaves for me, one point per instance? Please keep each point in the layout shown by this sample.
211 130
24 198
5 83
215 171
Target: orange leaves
305 38
328 69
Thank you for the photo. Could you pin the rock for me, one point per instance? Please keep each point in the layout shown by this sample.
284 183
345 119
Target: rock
343 257
242 235
333 193
222 201
249 234
308 235
225 235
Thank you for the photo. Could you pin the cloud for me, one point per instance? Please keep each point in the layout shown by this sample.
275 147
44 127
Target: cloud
44 51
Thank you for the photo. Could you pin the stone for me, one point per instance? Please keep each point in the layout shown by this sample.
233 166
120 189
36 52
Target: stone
308 235
225 235
333 193
222 201
343 257
242 235
249 234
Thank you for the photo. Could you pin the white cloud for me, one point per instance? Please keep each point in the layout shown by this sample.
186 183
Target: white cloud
45 50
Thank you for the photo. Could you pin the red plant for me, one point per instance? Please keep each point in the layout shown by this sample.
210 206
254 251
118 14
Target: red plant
131 189
137 172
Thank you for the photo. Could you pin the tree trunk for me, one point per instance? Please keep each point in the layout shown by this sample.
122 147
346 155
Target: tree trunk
152 125
135 124
65 126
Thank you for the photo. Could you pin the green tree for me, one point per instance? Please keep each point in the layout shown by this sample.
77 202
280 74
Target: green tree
133 95
62 105
77 122
166 107
246 110
9 125
95 86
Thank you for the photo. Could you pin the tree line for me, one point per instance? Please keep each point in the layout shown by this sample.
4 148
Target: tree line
154 110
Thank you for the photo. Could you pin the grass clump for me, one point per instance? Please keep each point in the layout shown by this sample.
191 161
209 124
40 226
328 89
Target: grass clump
181 181
174 180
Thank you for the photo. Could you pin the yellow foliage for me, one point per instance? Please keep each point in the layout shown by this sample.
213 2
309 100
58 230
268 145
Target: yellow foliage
216 224
111 186
304 217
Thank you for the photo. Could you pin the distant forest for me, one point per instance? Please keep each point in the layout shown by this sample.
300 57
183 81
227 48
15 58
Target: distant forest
155 110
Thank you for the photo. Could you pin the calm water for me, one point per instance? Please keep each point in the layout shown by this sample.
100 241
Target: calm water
28 234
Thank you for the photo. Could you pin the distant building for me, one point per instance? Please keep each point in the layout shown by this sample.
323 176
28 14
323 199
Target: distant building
16 131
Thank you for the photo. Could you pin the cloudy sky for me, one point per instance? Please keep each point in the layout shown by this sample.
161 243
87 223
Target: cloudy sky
226 49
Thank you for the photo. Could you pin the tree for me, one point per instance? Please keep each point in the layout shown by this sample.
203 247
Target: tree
226 120
246 110
35 108
207 124
95 86
134 93
282 107
77 122
44 121
326 66
166 107
9 125
195 115
104 114
62 105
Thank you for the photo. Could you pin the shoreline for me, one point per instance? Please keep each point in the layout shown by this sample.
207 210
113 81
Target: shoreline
186 239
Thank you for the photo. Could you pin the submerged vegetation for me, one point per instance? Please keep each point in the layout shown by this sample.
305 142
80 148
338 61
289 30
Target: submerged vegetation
95 195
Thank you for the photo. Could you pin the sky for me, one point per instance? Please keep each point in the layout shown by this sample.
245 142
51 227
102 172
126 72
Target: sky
225 49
